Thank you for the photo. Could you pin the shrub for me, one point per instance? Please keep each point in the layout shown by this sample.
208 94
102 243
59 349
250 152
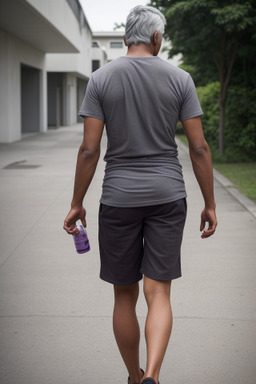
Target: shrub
240 128
209 99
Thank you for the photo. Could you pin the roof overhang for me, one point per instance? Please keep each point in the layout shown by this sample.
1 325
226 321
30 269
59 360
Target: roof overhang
24 21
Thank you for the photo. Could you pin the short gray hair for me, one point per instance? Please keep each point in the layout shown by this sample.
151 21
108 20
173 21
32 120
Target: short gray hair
141 23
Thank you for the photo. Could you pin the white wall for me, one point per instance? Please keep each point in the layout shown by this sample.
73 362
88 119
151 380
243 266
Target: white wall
99 54
59 15
105 38
79 63
30 28
14 53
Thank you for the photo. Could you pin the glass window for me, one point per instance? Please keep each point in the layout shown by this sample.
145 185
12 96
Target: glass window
95 65
116 44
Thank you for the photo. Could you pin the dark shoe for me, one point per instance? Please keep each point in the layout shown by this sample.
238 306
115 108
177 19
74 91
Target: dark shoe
148 380
135 383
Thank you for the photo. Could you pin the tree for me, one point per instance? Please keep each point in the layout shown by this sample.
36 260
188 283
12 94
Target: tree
210 34
119 26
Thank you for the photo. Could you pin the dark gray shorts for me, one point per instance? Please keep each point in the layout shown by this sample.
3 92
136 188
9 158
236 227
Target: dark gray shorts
141 241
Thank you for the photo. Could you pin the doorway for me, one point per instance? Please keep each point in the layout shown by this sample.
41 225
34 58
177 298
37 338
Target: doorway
30 99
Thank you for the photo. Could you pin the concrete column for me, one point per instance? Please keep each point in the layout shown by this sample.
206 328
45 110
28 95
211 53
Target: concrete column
4 115
10 105
81 87
69 99
43 98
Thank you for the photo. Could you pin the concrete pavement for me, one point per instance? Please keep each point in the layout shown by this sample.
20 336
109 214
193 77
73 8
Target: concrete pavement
55 313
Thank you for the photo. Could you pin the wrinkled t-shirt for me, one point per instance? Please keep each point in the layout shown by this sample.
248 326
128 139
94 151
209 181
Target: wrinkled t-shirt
141 99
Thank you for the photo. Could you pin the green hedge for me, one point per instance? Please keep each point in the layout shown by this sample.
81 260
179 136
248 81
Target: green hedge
240 128
209 96
241 122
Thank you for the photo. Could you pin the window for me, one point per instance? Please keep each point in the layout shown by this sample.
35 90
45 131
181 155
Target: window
95 65
95 44
116 44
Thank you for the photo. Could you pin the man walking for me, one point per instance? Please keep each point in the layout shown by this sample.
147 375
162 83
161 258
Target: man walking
142 209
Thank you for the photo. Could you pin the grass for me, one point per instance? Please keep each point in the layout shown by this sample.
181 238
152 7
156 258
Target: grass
183 139
242 175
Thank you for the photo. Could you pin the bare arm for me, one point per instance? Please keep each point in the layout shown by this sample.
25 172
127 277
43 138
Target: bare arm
202 165
87 160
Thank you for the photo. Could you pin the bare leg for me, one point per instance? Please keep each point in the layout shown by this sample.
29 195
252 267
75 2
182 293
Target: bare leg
126 328
158 324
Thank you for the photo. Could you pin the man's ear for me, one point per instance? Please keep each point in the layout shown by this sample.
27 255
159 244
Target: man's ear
125 41
155 37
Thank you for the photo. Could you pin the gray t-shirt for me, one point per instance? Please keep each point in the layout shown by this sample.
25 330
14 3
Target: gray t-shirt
141 100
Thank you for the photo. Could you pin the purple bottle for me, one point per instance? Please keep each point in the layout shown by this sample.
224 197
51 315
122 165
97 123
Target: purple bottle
81 241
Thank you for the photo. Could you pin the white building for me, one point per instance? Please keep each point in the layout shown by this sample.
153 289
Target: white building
68 74
29 31
47 55
99 55
114 46
112 42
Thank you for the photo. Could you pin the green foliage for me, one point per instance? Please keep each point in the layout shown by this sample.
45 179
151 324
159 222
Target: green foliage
118 26
209 99
217 39
207 32
241 122
240 134
242 175
234 17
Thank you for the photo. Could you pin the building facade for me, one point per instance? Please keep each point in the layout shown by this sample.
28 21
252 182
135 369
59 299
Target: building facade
45 65
113 44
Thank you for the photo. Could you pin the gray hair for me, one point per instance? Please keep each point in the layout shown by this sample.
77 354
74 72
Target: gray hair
141 23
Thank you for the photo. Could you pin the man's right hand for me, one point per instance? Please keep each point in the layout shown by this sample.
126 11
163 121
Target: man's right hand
208 223
75 214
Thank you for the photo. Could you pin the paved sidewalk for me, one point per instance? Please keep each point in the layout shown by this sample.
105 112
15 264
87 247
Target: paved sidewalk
55 313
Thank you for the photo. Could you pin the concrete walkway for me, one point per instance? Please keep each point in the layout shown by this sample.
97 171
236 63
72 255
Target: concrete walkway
55 313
